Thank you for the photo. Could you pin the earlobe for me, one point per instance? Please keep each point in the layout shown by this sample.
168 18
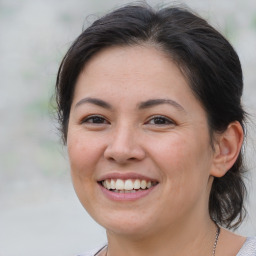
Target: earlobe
227 148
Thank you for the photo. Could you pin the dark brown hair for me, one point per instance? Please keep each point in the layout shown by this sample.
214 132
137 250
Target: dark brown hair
207 60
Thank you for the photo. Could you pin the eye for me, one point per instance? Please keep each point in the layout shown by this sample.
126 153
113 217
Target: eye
95 119
160 120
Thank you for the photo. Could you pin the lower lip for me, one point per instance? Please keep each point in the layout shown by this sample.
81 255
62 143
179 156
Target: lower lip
126 196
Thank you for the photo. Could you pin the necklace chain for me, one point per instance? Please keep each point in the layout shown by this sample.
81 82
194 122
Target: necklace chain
214 245
216 239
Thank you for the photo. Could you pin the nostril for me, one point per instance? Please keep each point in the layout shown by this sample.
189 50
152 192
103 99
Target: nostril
111 159
122 160
132 158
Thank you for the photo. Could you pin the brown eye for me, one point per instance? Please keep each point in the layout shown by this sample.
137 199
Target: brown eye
160 120
95 119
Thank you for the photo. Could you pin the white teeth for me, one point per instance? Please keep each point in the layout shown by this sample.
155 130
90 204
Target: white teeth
119 184
127 186
136 184
143 184
107 184
112 184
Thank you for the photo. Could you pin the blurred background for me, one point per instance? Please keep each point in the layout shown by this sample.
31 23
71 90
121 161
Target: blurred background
39 212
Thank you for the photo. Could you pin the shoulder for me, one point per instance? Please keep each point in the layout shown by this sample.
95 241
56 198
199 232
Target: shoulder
93 252
248 248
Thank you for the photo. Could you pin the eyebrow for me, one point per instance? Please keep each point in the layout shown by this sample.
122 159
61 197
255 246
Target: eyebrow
155 102
143 105
94 101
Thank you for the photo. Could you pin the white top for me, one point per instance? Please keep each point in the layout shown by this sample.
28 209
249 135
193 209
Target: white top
248 249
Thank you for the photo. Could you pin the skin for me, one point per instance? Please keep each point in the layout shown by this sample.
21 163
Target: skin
173 149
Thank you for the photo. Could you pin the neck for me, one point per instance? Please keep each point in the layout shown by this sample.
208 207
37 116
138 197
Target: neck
194 238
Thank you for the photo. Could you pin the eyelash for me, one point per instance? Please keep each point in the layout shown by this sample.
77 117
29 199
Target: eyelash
167 121
98 118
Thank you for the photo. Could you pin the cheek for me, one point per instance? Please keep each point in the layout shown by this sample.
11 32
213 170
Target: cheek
184 166
184 162
173 154
83 157
83 154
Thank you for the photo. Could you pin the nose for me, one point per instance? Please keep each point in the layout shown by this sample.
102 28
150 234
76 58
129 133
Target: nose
124 146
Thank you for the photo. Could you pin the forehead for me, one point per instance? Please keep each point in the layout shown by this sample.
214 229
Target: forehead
116 68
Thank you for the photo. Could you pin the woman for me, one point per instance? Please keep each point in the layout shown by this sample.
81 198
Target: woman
149 104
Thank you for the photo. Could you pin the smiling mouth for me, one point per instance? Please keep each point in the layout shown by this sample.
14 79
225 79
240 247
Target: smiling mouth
127 186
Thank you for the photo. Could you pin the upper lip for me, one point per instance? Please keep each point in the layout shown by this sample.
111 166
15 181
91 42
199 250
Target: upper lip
125 176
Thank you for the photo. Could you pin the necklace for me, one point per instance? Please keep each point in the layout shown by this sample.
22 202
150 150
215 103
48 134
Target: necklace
214 245
216 239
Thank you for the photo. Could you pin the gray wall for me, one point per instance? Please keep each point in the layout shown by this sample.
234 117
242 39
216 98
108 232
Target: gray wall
39 212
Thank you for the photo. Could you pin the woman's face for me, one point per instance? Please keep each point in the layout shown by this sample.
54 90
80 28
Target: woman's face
134 123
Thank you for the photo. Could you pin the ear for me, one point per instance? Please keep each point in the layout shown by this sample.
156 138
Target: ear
227 148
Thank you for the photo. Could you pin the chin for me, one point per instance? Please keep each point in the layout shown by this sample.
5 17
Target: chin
135 232
125 224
